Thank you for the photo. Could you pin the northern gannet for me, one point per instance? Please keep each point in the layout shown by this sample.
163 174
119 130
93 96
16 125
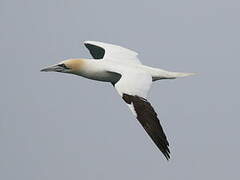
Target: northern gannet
131 79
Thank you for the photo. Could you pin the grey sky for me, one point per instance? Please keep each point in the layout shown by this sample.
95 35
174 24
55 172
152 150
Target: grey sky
57 126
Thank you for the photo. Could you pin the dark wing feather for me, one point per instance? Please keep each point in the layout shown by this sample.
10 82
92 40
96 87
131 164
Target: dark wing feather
150 122
96 51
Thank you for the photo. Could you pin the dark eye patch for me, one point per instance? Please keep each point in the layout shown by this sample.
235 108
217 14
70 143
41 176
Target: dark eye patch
63 66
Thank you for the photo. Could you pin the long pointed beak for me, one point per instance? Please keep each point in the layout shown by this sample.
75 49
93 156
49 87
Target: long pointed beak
54 68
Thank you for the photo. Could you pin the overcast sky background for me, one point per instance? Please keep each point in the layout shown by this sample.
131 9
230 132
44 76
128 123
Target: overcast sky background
60 126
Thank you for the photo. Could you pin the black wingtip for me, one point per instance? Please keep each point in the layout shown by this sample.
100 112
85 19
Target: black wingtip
167 155
165 150
150 122
97 52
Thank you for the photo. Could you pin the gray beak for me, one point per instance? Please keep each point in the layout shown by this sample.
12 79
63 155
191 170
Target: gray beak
54 68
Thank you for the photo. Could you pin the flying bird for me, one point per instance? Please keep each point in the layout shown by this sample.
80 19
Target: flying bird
132 80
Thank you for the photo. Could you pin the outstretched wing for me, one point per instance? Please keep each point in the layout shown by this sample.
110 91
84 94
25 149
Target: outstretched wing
100 50
133 87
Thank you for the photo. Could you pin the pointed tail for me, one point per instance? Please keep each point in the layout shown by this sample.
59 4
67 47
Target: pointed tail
179 74
162 74
158 74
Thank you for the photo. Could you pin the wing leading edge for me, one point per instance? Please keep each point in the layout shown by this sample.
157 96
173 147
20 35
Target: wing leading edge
100 50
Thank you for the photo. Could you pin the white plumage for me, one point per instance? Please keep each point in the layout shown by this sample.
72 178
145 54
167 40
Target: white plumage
132 80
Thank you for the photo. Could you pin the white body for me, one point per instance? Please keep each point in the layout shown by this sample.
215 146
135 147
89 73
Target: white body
101 70
132 80
111 71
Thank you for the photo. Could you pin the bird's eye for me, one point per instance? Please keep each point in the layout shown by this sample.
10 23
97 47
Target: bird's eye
63 65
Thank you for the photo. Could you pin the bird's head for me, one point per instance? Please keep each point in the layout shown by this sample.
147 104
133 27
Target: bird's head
67 66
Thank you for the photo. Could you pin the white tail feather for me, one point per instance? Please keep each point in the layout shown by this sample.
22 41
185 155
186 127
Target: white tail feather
179 74
170 75
158 74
